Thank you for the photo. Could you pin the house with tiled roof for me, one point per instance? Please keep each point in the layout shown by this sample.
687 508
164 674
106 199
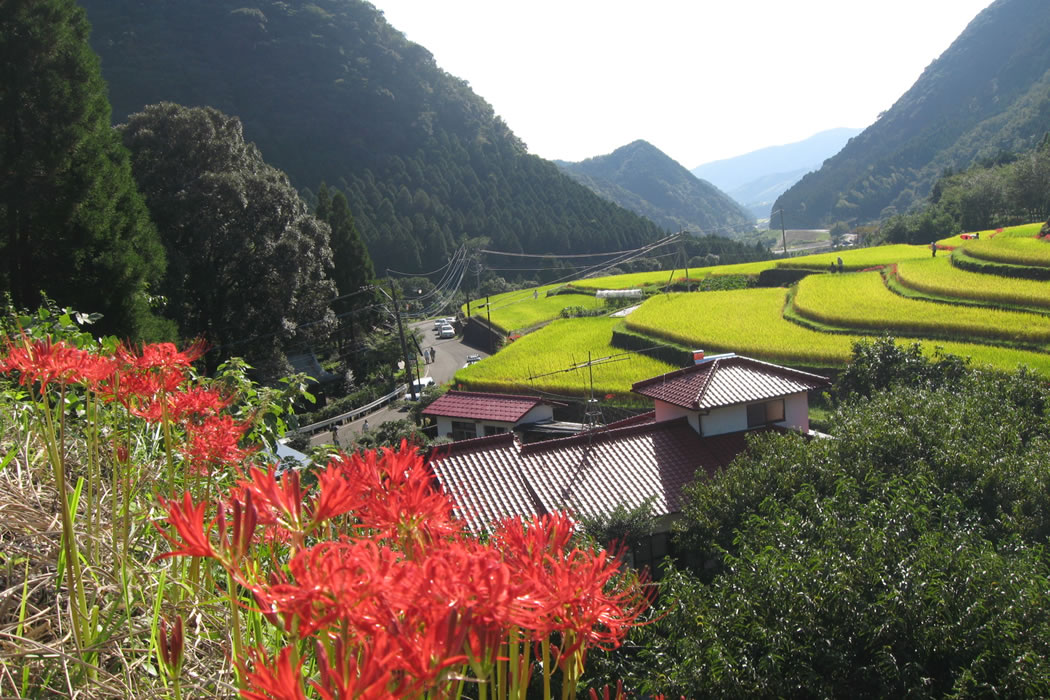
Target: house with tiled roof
462 415
700 419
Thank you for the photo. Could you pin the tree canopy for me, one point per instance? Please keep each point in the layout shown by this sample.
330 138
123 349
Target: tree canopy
904 556
331 92
73 223
248 264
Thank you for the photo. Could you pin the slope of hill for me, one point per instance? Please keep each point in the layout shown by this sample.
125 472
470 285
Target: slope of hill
989 92
757 178
642 178
329 91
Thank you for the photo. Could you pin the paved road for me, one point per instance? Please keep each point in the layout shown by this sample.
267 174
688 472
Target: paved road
450 354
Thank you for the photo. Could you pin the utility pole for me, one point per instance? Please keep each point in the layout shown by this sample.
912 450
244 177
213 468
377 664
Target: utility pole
488 317
783 232
401 334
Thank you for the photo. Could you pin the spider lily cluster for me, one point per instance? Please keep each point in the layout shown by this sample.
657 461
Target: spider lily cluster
351 581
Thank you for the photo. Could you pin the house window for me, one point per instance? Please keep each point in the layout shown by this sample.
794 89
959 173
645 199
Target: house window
462 430
765 413
494 430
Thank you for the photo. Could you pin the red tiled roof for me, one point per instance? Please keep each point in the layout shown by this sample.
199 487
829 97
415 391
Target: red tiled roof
591 473
483 477
727 381
474 405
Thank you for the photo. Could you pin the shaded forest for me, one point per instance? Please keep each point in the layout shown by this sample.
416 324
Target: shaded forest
330 92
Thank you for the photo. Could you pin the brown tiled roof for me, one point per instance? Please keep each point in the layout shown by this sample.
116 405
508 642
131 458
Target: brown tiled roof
475 405
727 381
483 477
591 473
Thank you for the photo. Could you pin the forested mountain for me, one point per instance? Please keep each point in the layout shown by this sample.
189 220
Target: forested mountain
757 178
989 92
642 178
329 91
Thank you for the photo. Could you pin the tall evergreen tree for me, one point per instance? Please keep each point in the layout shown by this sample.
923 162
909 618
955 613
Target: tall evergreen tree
73 223
248 264
353 267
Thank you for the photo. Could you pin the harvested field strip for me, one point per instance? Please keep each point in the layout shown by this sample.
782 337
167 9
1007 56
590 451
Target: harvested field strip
858 258
750 322
558 346
1017 251
862 301
939 277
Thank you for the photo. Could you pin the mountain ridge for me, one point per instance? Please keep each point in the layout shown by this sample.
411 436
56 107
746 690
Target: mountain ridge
988 92
640 177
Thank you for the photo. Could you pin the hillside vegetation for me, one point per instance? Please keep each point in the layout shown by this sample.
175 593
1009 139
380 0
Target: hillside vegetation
988 92
329 91
644 179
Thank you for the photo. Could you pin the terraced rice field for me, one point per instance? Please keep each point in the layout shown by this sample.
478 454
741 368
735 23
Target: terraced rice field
659 277
850 307
519 311
858 258
1015 251
558 346
862 301
1022 231
937 276
750 322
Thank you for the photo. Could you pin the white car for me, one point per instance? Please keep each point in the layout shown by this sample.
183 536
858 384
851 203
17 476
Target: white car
447 331
416 390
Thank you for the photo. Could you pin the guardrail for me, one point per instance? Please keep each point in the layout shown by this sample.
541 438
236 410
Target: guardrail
351 415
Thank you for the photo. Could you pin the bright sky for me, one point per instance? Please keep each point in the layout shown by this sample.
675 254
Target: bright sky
699 79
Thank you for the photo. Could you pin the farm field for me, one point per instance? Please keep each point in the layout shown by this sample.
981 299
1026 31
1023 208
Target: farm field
1022 231
858 258
750 322
519 311
1016 251
862 301
658 277
939 277
557 346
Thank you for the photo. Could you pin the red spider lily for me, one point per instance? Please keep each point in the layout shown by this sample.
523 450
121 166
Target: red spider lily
214 442
46 362
352 582
162 356
198 402
277 682
346 673
171 648
570 586
278 501
191 538
245 518
398 498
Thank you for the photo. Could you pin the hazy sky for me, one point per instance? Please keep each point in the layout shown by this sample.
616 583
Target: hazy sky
699 79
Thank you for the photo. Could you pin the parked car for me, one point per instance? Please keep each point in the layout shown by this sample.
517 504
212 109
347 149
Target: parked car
447 331
416 390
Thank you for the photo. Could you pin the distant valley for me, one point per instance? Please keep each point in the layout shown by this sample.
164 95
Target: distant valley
756 179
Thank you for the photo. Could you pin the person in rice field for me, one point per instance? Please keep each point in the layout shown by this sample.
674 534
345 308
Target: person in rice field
933 249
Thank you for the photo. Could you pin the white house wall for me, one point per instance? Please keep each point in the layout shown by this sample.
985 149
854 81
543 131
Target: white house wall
796 411
730 419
